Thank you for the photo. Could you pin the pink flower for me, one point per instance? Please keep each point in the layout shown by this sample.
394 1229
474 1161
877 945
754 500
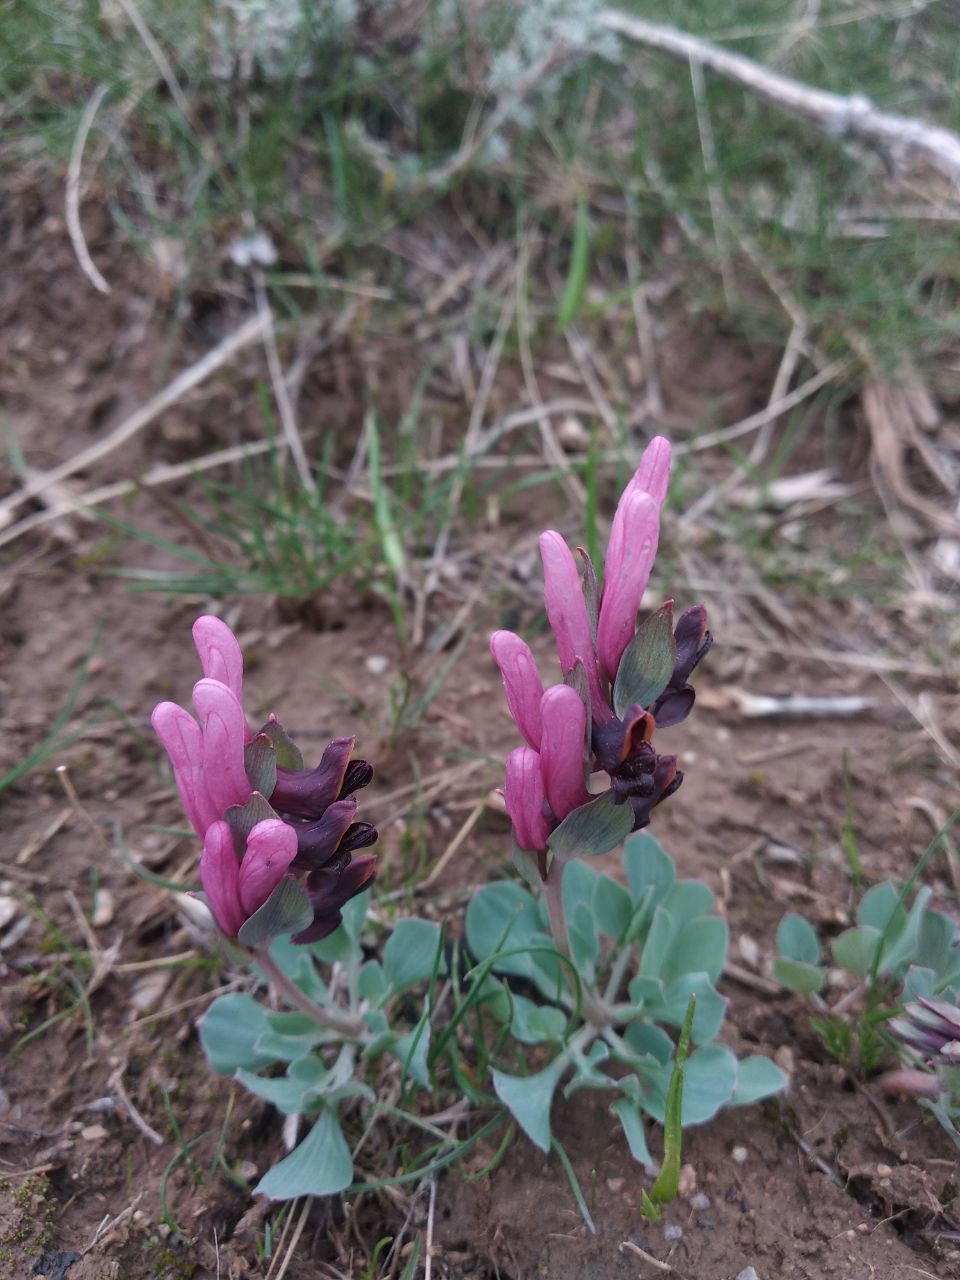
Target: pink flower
545 780
261 816
237 887
521 683
525 796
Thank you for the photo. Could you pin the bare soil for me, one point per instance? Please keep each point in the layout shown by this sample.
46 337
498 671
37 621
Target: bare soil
830 1181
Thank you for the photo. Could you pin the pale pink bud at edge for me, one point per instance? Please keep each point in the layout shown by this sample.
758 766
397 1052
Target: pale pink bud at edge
220 877
521 682
271 847
567 611
630 556
524 795
182 739
564 718
224 735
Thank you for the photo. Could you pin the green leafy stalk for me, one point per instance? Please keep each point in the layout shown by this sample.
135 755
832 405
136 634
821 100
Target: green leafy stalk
665 1188
578 269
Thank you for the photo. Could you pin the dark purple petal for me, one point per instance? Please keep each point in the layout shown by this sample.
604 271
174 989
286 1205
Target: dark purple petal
673 706
693 642
306 793
319 840
359 836
359 773
667 778
332 886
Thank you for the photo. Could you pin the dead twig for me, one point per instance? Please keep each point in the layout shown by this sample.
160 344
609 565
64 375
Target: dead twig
281 393
897 137
72 197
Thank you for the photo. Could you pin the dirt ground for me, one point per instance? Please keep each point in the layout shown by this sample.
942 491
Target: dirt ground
830 1181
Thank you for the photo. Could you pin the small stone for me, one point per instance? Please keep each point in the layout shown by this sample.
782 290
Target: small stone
863 1227
739 1155
748 1273
148 992
94 1133
615 1184
749 950
672 1232
783 1057
103 908
377 663
884 1171
8 909
573 435
700 1202
687 1182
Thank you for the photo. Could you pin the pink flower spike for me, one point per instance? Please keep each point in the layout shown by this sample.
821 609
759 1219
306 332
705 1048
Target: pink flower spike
562 750
653 473
223 725
183 742
219 653
220 877
521 682
271 847
567 612
524 795
220 656
630 556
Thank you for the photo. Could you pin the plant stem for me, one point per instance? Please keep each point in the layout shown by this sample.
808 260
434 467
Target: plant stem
341 1021
594 1008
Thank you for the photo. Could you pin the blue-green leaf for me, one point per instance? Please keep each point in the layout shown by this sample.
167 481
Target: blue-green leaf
631 1121
534 1023
757 1077
528 1099
287 910
710 1080
613 907
797 940
596 827
229 1032
647 663
699 947
880 904
411 953
319 1166
855 949
799 977
648 868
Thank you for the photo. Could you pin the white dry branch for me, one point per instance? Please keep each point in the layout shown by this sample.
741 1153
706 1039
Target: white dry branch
73 193
897 137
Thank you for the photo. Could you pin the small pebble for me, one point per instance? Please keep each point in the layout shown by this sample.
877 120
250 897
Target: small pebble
748 1273
103 908
672 1232
687 1182
615 1184
700 1201
376 663
94 1133
884 1171
749 950
8 909
739 1155
573 435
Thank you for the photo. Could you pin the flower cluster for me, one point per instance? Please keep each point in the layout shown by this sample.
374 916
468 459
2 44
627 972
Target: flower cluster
931 1028
261 815
620 683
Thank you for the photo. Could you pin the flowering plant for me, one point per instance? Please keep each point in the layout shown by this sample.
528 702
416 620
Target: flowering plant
902 970
589 941
284 876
